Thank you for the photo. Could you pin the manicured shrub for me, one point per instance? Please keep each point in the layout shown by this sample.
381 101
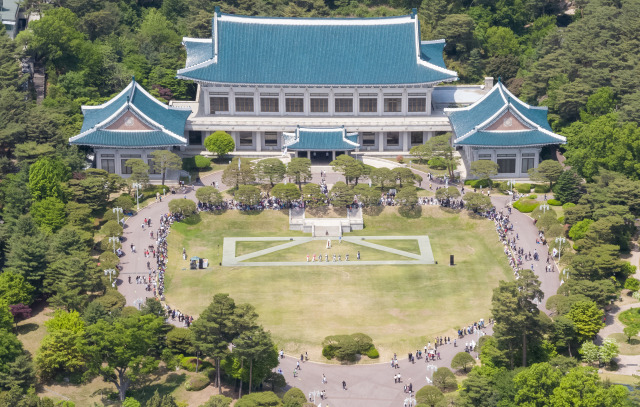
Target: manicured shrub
477 183
347 347
568 205
523 188
202 162
554 202
541 188
294 395
372 353
125 202
197 383
561 219
400 159
189 164
189 363
632 284
532 196
525 205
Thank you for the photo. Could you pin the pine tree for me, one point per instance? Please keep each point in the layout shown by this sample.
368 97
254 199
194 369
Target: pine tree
70 279
567 188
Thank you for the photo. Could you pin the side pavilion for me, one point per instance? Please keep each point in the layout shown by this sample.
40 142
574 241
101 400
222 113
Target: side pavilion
131 125
501 128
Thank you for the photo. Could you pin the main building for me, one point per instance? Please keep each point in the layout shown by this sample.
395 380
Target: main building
317 88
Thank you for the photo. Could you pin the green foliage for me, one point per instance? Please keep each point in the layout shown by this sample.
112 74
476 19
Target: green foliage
407 196
239 172
46 177
220 143
444 379
10 350
247 195
271 169
286 192
313 196
49 213
541 188
429 395
263 399
478 183
536 384
568 188
189 363
294 395
126 202
405 177
340 195
608 351
630 283
630 332
209 195
523 188
462 360
579 230
197 383
525 205
300 170
347 347
373 353
6 318
131 402
548 170
437 163
589 352
218 401
382 177
111 301
62 349
165 160
349 167
447 193
183 206
14 289
484 169
202 163
554 202
587 318
630 317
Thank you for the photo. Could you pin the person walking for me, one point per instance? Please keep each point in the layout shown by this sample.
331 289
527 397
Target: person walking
344 385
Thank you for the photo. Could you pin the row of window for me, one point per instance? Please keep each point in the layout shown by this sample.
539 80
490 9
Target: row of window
507 164
342 104
108 163
271 138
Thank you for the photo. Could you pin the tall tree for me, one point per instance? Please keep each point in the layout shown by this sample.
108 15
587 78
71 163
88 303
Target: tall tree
383 176
535 385
271 169
46 177
209 195
548 171
484 169
587 318
220 143
124 351
440 146
139 171
340 195
248 195
62 349
516 314
15 289
165 160
313 196
300 170
348 166
238 172
286 192
215 329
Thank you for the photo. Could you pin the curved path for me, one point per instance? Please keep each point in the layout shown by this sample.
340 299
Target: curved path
370 385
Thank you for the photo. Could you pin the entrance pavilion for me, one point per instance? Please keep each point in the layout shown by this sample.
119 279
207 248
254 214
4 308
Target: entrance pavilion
320 144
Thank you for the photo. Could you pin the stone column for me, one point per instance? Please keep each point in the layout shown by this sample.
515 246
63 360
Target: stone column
380 141
258 141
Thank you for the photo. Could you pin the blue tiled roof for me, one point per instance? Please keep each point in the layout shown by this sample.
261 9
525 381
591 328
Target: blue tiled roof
469 123
432 51
116 138
301 51
511 138
328 139
168 121
198 51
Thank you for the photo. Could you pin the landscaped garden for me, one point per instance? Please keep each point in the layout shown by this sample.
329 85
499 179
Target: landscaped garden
398 306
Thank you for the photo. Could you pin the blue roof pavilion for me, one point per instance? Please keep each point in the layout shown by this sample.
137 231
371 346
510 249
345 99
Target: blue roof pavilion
315 51
499 119
132 119
321 139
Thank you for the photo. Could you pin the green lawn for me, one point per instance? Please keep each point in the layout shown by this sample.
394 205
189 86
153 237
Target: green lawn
408 245
398 306
243 248
626 348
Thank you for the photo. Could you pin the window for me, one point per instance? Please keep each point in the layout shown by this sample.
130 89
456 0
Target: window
416 138
270 138
151 169
195 138
506 165
246 138
319 105
294 105
417 105
125 158
108 164
368 139
393 139
368 105
392 105
269 104
484 156
344 105
219 104
527 164
244 104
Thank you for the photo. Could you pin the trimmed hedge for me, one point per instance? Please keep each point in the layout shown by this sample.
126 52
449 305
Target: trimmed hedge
541 188
189 363
523 188
197 383
561 219
348 347
554 202
525 205
477 183
532 196
202 162
568 205
372 353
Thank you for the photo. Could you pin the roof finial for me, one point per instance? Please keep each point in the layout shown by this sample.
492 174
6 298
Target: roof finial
499 79
127 99
217 10
414 11
133 78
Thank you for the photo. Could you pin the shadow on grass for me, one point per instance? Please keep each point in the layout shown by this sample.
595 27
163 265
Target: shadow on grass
317 211
374 210
192 220
410 212
26 328
251 213
171 382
